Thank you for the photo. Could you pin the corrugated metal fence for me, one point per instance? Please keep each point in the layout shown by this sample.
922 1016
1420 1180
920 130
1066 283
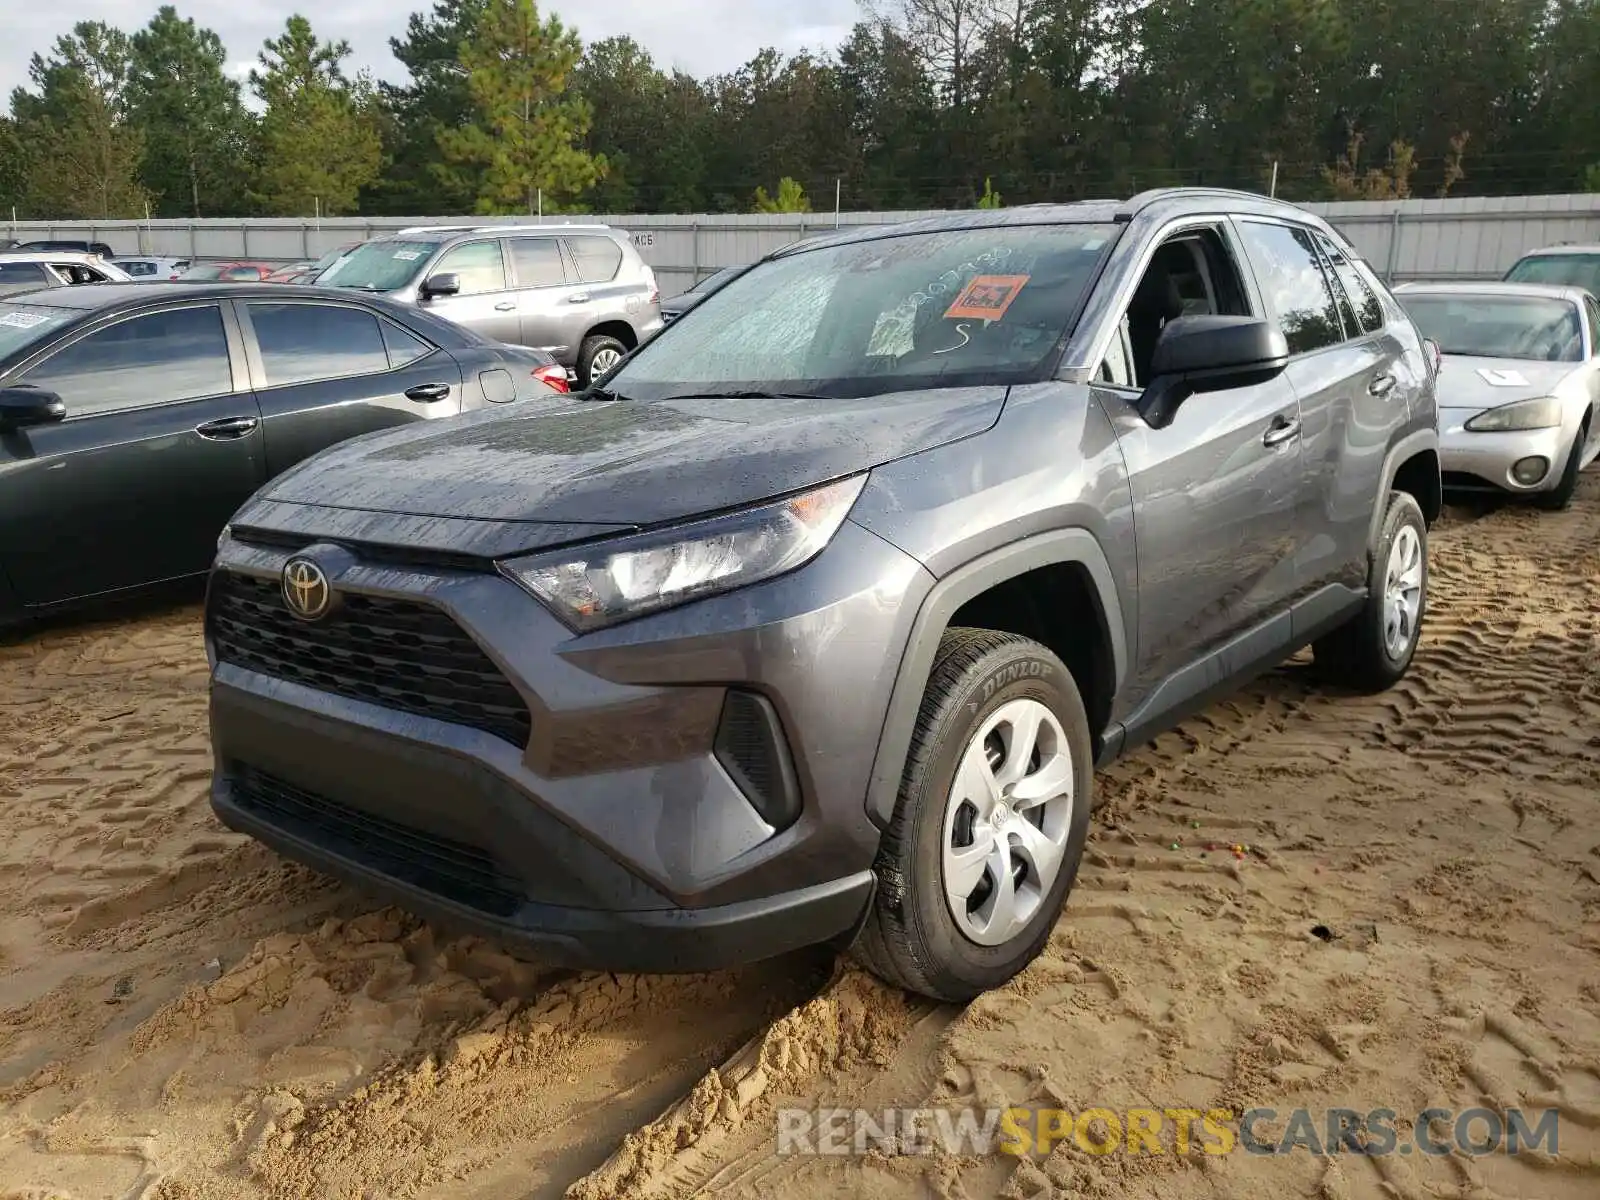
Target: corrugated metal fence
1473 237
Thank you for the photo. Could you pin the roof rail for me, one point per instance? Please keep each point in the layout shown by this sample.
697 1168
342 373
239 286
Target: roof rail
1151 195
431 229
540 225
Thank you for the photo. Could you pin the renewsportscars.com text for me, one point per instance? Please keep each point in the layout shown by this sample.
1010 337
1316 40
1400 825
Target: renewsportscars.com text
1182 1131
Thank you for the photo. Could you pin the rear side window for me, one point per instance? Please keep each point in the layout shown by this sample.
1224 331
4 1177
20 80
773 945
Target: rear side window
305 342
537 261
478 264
1291 278
181 354
23 275
403 346
1359 302
79 273
1591 318
598 258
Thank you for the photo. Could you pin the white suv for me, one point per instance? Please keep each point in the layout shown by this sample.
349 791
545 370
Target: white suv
578 292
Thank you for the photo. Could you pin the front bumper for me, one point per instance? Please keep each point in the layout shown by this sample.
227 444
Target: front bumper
614 837
1484 460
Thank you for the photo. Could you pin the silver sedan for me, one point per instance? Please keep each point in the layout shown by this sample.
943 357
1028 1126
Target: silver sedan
1519 384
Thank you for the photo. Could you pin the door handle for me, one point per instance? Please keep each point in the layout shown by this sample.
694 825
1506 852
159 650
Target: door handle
227 429
1382 385
1282 429
579 298
427 392
505 306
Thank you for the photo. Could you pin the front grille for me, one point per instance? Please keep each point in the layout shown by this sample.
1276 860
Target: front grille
455 870
374 552
396 653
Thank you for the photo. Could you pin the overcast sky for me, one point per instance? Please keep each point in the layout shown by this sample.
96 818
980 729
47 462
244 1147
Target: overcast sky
700 36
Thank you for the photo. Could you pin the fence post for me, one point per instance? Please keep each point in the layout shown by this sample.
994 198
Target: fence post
1394 247
244 239
694 252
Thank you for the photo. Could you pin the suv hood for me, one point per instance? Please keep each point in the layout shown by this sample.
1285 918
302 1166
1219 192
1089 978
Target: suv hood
1469 381
625 462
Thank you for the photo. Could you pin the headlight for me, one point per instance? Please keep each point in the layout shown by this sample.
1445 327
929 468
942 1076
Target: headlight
1540 413
591 587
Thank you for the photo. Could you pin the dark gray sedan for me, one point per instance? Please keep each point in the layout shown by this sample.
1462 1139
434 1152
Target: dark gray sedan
135 420
674 308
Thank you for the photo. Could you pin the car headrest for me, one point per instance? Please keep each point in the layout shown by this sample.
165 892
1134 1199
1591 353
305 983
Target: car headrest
1158 296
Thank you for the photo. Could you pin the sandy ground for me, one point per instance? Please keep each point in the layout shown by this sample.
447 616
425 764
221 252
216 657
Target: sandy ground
183 1015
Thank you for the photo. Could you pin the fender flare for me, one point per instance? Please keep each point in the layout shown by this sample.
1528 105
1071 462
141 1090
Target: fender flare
1407 447
948 594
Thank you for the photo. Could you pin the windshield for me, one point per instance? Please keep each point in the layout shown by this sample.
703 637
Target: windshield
379 266
1573 270
1528 327
712 282
23 324
947 309
328 259
204 272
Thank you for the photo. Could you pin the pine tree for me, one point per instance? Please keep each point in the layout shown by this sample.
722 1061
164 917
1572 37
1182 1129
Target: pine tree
189 112
81 152
526 129
417 179
318 141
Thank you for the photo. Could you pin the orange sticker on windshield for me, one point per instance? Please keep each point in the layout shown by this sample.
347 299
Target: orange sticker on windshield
986 298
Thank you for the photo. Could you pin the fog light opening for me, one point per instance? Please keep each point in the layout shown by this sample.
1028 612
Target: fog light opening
1529 471
752 749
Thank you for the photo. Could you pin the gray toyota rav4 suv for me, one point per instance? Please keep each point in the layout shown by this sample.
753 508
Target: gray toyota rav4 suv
811 621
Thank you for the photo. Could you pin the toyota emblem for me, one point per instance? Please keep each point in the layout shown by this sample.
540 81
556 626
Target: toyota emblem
306 591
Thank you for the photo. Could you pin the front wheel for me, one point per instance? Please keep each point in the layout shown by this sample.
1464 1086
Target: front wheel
1561 496
1373 650
990 824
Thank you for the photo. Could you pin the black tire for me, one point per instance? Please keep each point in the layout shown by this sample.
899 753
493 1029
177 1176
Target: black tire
910 937
594 345
1356 655
1561 497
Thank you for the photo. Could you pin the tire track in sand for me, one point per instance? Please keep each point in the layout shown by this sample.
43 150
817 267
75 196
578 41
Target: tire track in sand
1504 679
275 1035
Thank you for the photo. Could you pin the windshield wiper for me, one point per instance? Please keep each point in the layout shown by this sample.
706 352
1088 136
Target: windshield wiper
360 287
601 394
744 394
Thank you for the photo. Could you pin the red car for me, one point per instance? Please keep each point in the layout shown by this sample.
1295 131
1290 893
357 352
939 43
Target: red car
247 272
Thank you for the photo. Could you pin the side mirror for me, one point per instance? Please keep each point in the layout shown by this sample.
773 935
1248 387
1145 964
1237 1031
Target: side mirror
446 284
1210 354
22 405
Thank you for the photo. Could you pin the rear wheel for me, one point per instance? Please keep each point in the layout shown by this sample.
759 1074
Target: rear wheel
1561 497
990 824
1373 650
598 354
